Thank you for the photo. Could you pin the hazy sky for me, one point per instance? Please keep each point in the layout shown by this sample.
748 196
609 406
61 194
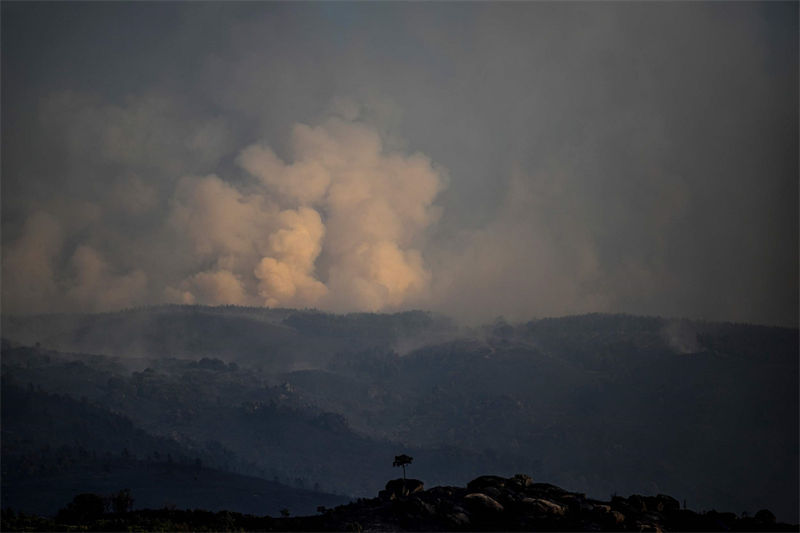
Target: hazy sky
478 159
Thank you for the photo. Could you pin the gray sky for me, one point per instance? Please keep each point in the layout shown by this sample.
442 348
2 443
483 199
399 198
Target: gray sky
478 159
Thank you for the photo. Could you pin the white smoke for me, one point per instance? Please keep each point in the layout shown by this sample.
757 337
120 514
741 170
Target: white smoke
287 275
340 225
342 199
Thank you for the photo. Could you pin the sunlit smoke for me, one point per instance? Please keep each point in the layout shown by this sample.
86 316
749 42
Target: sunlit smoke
342 199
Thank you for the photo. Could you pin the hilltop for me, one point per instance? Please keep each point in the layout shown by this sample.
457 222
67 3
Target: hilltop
487 503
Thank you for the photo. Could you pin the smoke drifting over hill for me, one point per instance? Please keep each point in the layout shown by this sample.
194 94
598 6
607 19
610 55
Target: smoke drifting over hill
479 160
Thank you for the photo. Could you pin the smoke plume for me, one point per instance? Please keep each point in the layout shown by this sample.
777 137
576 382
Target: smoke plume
636 158
342 201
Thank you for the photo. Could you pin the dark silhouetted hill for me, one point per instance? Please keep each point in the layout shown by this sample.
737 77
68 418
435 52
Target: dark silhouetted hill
488 503
54 446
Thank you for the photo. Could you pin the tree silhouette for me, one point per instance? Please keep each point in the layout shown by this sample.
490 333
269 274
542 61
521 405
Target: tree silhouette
402 460
122 502
84 507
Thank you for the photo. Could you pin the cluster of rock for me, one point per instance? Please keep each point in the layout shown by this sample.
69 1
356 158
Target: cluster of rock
492 503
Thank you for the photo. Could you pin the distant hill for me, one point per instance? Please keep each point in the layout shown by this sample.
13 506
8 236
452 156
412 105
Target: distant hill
602 403
273 339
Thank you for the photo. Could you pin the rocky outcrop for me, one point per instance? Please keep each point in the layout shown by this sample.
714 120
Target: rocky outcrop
488 503
400 488
493 503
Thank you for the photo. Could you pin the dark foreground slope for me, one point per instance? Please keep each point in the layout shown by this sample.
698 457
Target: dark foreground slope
54 447
488 503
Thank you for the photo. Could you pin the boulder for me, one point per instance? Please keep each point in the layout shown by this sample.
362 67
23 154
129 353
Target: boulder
481 502
458 509
667 504
493 492
637 503
458 519
442 492
610 518
661 503
574 502
521 481
544 507
480 483
648 527
423 507
400 488
652 517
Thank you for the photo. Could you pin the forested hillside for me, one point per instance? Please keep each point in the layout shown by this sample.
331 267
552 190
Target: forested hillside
600 403
55 446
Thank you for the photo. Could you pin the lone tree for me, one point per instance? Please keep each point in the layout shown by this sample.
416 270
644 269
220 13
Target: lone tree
402 460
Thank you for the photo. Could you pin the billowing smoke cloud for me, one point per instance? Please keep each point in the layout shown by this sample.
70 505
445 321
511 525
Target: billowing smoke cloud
600 157
286 276
343 200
